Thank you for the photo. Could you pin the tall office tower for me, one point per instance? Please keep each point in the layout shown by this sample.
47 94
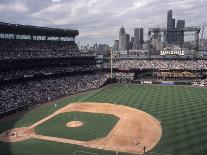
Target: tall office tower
122 39
180 34
181 24
130 44
174 33
141 36
156 42
173 23
127 41
127 38
169 19
171 34
132 39
116 45
138 38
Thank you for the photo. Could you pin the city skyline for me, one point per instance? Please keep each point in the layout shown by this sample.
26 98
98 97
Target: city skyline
98 21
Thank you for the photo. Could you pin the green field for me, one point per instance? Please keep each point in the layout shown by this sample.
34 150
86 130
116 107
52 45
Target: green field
182 110
94 126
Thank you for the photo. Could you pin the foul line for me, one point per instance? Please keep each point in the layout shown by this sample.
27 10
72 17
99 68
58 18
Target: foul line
83 152
159 153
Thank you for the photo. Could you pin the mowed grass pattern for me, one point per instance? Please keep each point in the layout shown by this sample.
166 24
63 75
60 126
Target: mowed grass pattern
94 126
182 111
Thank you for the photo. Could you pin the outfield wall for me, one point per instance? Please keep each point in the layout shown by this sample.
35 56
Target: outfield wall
162 82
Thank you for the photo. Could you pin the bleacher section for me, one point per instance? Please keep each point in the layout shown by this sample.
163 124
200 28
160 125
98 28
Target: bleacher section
33 49
38 64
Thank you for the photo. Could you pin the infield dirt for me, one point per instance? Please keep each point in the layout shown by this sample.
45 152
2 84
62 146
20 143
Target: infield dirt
134 130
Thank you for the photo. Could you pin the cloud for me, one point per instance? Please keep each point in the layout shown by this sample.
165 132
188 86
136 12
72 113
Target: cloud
99 20
14 6
56 1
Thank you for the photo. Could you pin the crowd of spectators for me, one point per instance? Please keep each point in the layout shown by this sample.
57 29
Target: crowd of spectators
42 86
122 75
160 64
200 83
23 73
35 92
24 49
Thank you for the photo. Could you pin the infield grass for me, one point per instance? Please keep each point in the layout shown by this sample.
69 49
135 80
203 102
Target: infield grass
182 111
94 126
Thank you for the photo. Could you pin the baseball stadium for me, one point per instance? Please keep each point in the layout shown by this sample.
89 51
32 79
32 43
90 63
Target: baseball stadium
57 100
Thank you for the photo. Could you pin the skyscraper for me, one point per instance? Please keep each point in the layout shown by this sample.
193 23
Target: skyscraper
132 39
141 36
130 44
138 38
173 23
180 34
171 33
169 19
122 39
174 33
116 45
127 41
156 42
127 38
181 24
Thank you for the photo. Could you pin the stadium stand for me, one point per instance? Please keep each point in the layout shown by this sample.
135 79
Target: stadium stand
161 64
38 64
23 95
27 49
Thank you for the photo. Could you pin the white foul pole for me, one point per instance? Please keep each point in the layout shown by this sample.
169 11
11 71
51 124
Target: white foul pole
111 64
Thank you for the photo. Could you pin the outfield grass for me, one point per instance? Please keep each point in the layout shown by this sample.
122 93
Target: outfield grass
181 109
94 126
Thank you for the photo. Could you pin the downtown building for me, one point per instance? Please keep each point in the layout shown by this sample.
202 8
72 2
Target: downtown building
180 34
126 42
122 39
116 45
138 38
171 33
175 33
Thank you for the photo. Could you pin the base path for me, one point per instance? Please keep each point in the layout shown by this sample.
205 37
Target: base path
134 131
17 134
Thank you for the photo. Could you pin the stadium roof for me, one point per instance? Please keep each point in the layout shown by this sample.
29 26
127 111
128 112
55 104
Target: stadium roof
36 31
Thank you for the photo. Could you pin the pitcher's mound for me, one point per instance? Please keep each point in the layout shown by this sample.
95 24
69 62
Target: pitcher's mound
74 124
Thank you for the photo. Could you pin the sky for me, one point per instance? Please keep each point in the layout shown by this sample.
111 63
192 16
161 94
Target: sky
99 21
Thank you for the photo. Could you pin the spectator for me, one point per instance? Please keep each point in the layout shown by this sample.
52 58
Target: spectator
35 92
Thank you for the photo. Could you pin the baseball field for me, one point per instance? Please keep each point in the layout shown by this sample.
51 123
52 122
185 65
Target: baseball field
117 119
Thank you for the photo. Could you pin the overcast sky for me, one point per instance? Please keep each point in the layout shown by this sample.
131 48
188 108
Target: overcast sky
100 20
